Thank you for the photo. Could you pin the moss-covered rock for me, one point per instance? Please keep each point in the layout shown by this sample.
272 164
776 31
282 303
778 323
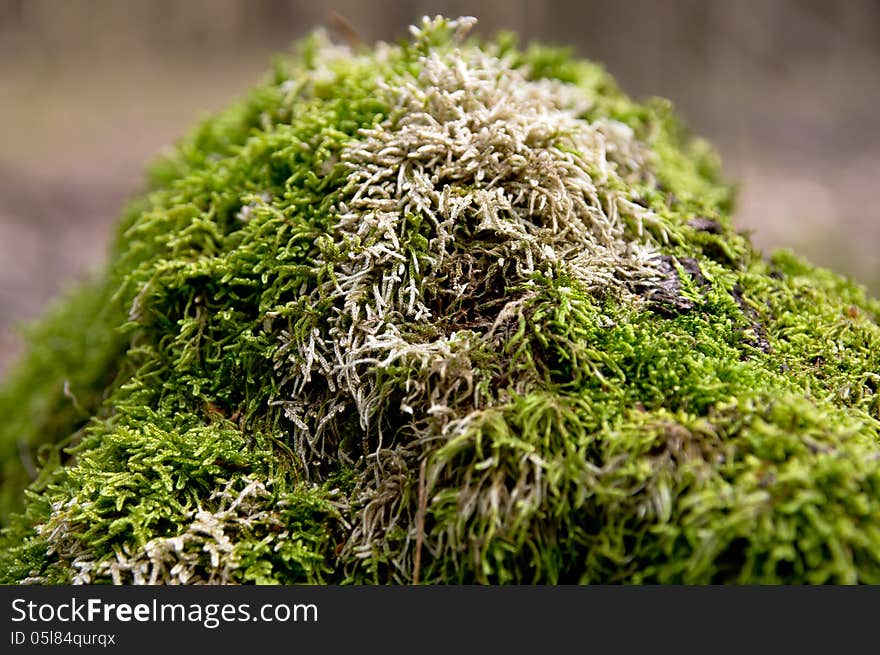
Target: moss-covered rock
445 311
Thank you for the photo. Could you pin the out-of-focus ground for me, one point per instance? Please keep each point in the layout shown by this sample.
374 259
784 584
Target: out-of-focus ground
91 90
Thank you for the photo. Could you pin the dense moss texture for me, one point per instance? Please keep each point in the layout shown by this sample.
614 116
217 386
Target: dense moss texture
445 311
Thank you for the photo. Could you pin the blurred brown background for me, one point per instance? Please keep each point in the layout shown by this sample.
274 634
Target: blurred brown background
90 90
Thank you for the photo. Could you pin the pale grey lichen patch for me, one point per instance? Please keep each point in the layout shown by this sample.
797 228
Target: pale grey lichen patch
480 178
205 551
477 182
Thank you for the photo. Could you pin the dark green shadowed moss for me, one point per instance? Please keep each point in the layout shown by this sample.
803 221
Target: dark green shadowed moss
447 297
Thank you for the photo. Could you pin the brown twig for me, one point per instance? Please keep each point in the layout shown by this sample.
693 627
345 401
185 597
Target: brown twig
420 523
339 24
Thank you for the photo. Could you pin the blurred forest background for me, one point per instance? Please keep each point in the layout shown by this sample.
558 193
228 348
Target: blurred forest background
91 90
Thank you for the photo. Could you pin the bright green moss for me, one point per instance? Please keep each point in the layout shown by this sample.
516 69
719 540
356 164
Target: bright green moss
447 297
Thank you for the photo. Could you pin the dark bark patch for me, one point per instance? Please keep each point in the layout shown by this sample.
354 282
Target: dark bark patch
703 224
760 340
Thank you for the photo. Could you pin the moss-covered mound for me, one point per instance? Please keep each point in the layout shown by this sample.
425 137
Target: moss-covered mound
445 311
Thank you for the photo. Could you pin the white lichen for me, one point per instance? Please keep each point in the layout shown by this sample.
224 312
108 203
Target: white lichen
477 181
203 552
510 182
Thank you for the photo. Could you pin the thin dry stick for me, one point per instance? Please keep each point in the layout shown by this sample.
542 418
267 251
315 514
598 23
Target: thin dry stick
420 523
339 24
24 456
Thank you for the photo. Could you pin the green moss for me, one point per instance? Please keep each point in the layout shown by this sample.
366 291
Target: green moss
380 307
73 359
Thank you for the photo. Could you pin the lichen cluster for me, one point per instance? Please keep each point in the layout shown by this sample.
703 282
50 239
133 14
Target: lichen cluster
444 311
